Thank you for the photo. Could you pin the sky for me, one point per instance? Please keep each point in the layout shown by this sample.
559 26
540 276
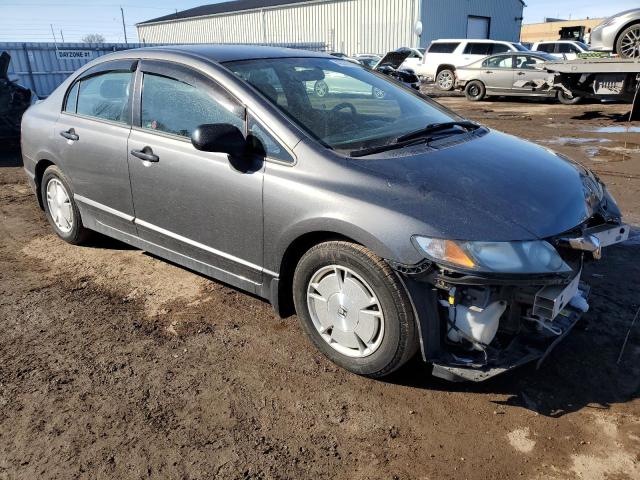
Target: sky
32 20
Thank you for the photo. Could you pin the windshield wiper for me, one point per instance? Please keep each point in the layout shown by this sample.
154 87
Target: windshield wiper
389 146
436 127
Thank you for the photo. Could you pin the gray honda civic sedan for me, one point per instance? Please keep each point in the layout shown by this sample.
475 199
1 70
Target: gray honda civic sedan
387 223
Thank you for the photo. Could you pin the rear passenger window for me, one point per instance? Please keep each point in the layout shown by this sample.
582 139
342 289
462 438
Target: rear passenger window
173 106
105 96
546 47
499 48
503 61
443 47
567 48
475 48
72 99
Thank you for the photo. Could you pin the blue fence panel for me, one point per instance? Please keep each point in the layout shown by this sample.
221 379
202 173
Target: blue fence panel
43 66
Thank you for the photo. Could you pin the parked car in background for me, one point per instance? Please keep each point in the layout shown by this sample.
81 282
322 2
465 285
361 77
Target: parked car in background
619 34
14 100
391 65
389 226
414 59
565 49
443 57
369 60
508 74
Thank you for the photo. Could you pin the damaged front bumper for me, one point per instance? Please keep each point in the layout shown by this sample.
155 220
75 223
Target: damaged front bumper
475 326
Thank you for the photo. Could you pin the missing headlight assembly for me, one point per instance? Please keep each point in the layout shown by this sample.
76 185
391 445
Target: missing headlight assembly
496 305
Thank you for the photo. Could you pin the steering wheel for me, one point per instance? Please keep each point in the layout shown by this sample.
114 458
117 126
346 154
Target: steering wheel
344 105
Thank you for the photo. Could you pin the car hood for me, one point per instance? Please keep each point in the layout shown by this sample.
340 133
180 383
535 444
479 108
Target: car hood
393 59
492 187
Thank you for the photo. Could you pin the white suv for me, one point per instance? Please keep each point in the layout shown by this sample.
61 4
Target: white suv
567 49
443 56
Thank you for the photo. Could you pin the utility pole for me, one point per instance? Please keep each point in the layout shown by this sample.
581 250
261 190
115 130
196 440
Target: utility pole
124 30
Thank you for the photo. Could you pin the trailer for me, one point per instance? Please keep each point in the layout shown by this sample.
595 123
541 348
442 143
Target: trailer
608 78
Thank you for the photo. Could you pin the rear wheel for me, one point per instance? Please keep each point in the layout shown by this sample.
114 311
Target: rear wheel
445 79
60 207
628 43
475 90
565 99
354 308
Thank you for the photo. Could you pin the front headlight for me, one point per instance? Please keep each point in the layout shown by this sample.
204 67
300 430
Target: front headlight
535 256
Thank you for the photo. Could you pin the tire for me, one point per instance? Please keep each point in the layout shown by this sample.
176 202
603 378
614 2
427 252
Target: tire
60 207
628 43
446 79
387 336
567 100
475 91
321 88
378 93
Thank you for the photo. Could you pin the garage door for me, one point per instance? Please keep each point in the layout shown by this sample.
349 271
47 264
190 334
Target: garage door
477 27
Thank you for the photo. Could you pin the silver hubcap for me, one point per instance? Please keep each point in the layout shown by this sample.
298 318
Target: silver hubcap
345 311
321 89
59 205
630 45
445 80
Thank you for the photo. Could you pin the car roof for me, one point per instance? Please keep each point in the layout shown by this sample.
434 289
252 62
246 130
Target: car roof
478 40
558 41
233 53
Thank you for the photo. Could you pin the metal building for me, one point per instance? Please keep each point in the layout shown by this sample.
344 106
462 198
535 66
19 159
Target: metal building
349 26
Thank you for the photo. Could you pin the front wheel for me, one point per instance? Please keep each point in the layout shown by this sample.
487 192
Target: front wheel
354 308
475 91
60 207
565 99
321 88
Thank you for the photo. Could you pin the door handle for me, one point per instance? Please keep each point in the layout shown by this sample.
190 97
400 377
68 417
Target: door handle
488 71
520 73
145 154
70 134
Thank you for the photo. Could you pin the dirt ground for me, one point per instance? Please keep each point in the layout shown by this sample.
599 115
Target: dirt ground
116 364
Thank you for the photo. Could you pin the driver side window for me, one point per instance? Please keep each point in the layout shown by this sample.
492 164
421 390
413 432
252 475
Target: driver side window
178 108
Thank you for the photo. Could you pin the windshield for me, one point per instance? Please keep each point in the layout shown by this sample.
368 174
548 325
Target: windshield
520 47
341 104
584 46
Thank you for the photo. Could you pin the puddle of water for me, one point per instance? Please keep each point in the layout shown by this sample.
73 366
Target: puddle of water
575 140
614 129
613 152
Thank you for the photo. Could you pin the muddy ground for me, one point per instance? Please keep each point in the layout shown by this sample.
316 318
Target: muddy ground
116 364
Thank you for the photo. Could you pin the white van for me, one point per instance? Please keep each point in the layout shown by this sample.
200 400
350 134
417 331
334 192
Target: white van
566 49
444 55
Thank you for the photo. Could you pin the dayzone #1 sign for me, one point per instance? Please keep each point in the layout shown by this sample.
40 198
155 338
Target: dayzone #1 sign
74 54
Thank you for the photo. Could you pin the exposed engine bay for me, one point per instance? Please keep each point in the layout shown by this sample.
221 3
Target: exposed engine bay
489 324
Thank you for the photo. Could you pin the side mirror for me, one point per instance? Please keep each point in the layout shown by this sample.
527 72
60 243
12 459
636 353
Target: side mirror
219 137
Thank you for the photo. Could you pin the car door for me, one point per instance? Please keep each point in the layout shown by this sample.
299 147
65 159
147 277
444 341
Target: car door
527 73
91 141
497 73
474 51
567 51
193 204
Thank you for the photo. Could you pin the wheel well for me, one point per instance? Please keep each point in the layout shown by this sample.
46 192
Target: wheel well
290 259
445 67
615 41
41 166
